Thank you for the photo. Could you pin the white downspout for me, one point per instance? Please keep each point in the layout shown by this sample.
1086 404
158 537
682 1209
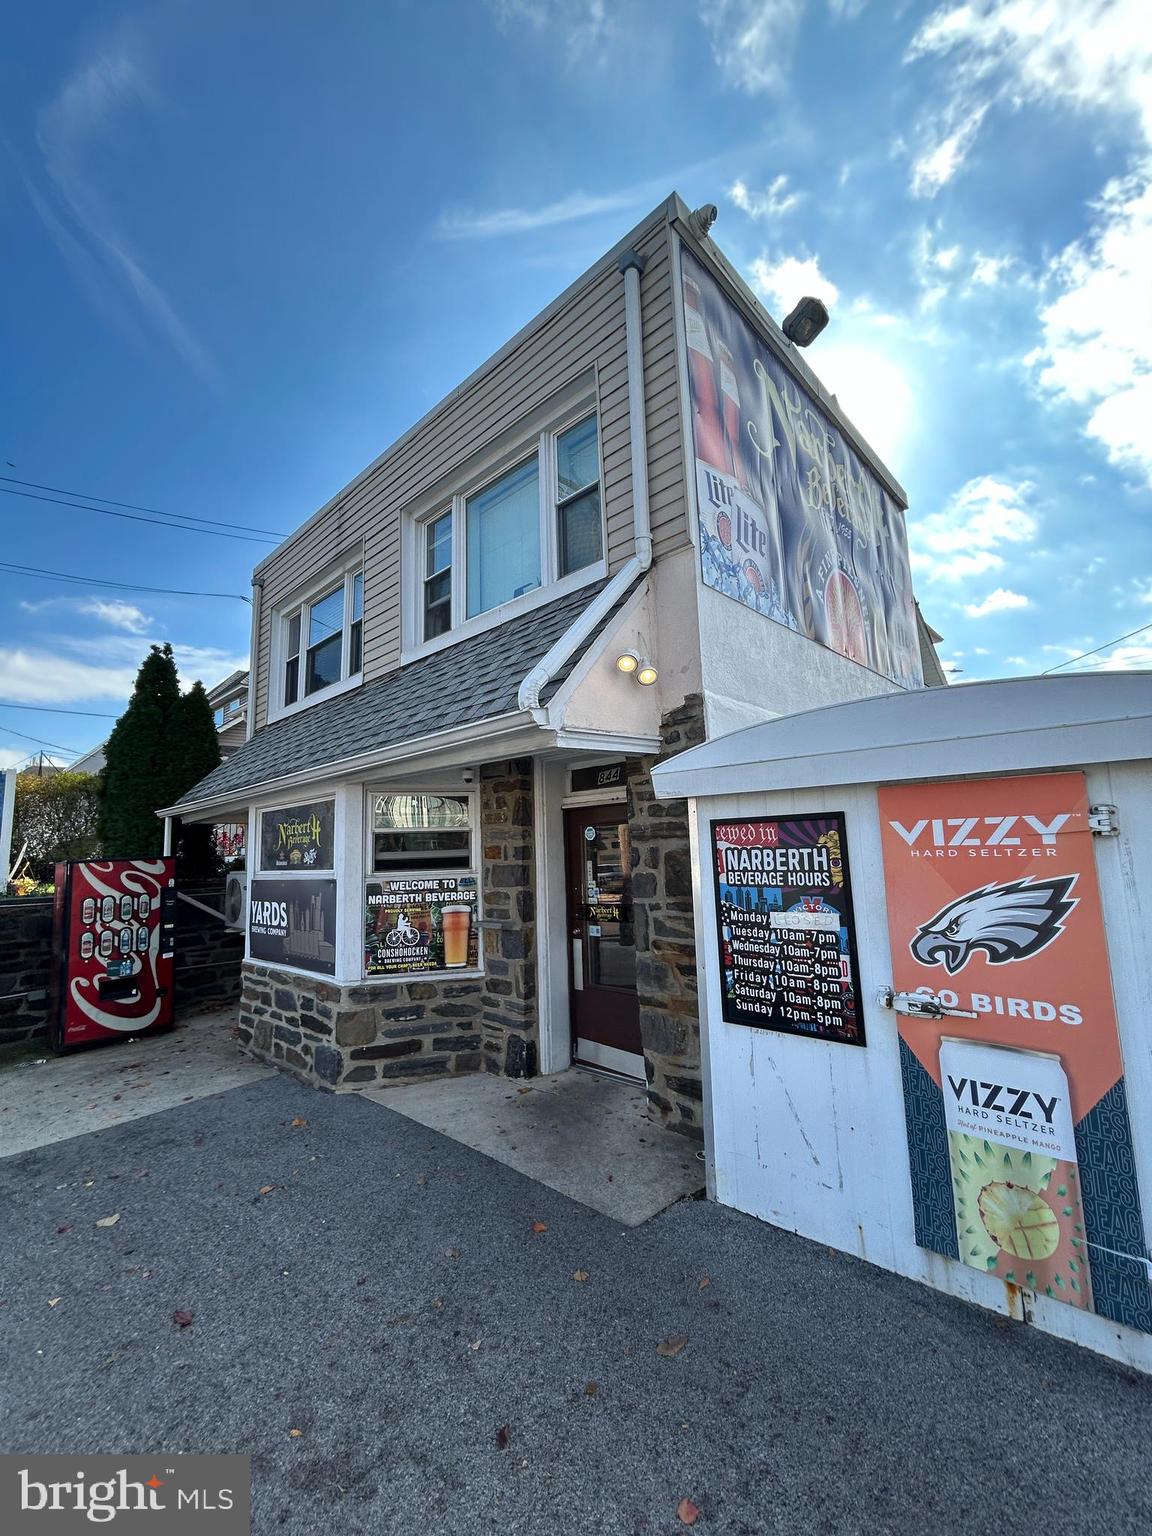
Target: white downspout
253 643
631 264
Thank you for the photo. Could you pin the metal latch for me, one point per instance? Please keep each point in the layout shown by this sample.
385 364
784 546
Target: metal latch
920 1005
1104 821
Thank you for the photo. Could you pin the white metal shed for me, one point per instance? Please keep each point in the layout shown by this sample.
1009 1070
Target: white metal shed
957 852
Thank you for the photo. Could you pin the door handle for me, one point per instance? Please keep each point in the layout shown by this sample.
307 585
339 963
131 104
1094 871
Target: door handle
577 965
920 1005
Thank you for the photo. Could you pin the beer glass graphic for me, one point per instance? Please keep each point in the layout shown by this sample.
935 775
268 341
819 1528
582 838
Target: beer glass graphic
456 923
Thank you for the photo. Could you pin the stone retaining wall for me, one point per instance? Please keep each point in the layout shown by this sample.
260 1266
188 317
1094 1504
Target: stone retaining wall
665 935
376 1031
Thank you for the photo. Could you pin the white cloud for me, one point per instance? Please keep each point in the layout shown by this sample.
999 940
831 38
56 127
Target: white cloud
1123 658
1096 350
998 601
81 125
781 283
963 539
752 40
771 204
119 615
987 271
468 224
1016 661
1093 55
40 677
584 25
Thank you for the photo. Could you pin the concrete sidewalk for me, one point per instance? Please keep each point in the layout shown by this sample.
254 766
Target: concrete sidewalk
406 1336
53 1097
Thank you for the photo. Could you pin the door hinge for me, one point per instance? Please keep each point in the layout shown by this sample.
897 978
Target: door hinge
1103 821
920 1005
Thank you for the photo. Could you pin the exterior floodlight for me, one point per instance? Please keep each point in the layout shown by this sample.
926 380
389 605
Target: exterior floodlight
805 322
628 662
647 674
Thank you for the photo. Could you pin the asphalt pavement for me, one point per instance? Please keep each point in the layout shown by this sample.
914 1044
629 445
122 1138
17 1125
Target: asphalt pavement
406 1336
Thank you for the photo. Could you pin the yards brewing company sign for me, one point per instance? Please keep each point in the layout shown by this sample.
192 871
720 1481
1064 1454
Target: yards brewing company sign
792 523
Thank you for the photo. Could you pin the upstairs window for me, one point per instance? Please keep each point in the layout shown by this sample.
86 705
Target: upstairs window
503 538
321 639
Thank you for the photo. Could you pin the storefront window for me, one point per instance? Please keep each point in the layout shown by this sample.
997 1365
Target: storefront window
422 895
421 832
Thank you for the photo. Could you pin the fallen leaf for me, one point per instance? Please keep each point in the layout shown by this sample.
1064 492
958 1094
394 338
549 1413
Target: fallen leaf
687 1512
61 1230
672 1345
108 1221
295 1433
266 1189
451 1253
580 1274
183 1319
88 1183
503 1435
476 1345
54 1301
539 1226
591 1389
704 1281
297 1121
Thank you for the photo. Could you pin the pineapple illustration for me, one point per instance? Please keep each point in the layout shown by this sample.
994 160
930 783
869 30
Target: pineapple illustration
1018 1215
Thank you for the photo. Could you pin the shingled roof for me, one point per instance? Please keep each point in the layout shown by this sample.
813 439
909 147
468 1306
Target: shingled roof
474 680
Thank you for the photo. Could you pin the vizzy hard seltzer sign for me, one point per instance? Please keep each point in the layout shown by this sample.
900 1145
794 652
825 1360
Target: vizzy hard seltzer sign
1020 1147
793 523
150 1495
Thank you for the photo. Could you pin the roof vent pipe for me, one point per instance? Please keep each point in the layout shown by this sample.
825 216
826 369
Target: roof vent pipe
631 265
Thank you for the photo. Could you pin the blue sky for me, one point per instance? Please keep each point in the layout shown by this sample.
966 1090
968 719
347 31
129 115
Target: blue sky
243 246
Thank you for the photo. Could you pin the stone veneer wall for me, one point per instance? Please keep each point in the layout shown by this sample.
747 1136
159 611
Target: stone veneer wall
387 1032
665 935
25 969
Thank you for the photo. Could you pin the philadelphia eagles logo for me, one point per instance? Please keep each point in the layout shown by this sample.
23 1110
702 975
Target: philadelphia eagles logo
1008 922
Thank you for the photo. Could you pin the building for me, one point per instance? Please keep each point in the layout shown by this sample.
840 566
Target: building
229 701
639 525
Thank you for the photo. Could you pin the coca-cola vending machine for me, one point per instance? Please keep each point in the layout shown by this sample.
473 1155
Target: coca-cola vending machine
114 930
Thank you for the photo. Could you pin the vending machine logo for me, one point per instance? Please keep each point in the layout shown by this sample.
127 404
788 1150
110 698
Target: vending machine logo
1008 922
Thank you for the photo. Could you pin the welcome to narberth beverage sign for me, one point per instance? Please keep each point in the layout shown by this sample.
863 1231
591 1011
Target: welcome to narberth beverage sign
785 926
1020 1148
792 522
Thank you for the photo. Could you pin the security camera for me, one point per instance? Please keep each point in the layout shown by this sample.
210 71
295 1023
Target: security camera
468 776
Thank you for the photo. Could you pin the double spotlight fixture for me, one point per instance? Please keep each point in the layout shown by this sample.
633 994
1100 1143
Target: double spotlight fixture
635 666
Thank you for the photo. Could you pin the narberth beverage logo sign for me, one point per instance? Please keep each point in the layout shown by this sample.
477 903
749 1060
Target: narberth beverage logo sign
297 836
1020 1148
785 927
792 523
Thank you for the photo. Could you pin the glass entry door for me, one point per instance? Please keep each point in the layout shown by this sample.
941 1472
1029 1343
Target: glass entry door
601 940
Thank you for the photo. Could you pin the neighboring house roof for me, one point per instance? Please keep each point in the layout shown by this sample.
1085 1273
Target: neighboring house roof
934 674
91 761
233 683
470 681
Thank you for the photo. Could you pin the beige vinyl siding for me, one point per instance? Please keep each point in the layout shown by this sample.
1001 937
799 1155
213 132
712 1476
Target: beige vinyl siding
587 332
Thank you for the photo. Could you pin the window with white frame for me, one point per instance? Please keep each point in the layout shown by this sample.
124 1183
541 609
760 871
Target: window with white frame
321 638
531 525
421 833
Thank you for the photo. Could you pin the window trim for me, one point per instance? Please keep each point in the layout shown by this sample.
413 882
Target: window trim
345 570
537 435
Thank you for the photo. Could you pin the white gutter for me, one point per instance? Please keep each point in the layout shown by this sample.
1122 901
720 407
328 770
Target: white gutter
253 642
589 621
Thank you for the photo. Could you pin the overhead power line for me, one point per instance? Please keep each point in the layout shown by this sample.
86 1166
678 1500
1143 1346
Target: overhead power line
54 709
135 517
41 574
1107 646
24 736
133 506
